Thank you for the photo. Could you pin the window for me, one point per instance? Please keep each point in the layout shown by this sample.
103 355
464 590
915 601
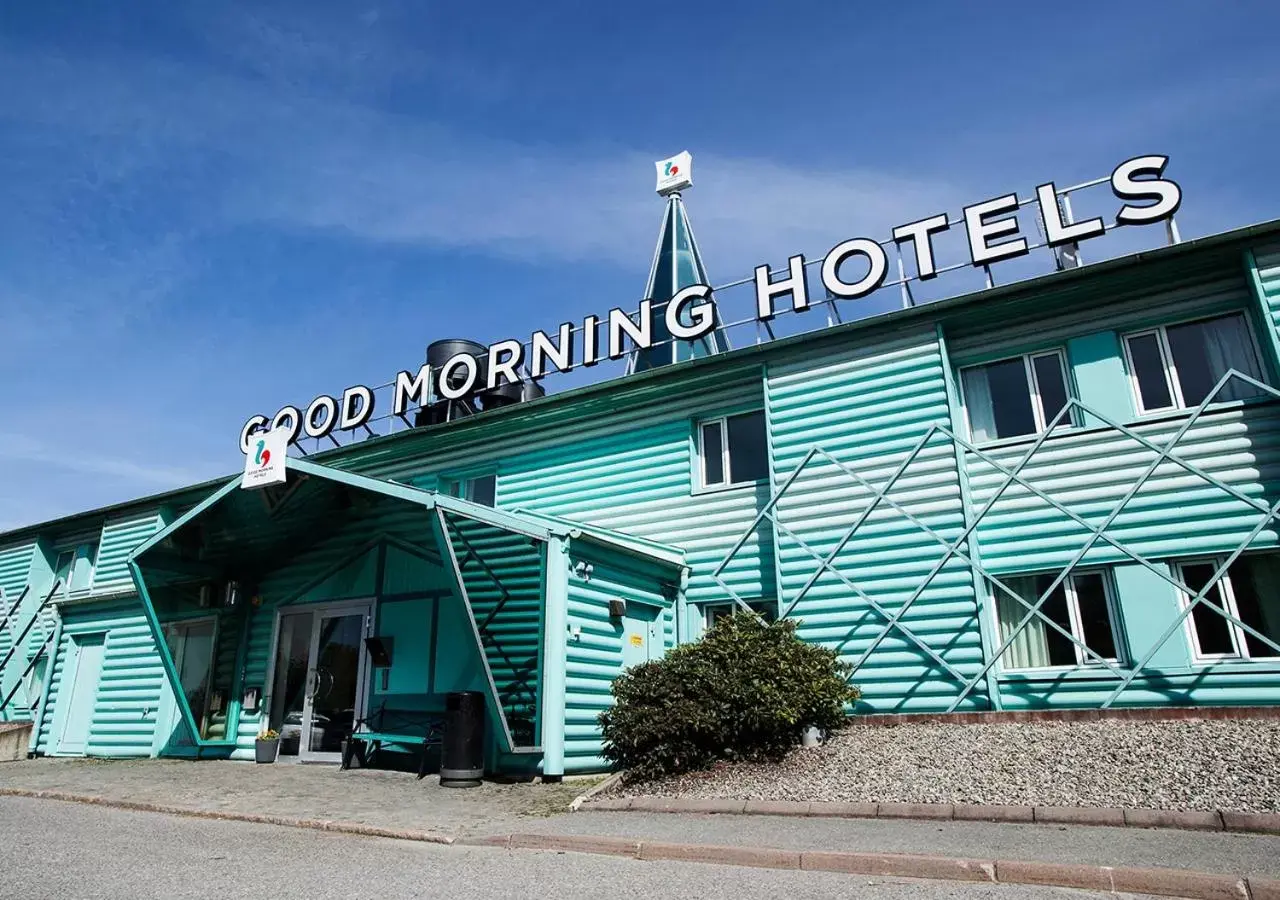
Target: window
482 489
733 450
191 645
713 612
1249 591
1081 604
62 570
1176 366
1016 396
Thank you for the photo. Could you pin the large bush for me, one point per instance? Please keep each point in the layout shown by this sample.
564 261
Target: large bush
747 690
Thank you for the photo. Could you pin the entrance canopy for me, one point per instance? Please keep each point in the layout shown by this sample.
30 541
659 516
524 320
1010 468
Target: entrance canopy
244 549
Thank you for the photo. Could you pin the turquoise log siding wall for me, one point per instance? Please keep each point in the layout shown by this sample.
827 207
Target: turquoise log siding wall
503 575
595 648
630 470
119 538
15 567
129 686
1266 258
1174 514
868 406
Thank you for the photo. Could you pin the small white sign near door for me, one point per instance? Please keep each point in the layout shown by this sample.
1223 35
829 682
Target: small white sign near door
265 462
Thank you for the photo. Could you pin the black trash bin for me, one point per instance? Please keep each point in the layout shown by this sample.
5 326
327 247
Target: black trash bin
462 753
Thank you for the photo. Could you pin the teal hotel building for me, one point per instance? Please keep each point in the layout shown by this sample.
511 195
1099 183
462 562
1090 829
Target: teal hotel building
1054 493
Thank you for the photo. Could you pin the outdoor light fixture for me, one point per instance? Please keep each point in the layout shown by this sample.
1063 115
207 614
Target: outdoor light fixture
617 607
231 594
249 700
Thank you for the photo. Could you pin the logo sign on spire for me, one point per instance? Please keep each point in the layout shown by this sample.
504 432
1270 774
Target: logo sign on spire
675 173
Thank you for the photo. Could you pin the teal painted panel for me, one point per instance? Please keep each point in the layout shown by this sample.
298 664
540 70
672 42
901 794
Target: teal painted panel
1175 513
598 647
868 407
1097 367
119 538
358 578
81 694
1148 605
408 623
405 572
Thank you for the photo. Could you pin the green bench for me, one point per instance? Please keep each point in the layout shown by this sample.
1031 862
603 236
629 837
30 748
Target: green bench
394 731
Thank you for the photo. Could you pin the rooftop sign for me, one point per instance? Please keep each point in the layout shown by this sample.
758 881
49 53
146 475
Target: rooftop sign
991 226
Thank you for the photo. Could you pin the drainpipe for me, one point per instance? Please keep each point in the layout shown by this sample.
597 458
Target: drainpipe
555 656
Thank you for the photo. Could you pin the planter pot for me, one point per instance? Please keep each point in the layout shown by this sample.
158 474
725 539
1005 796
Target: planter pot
265 751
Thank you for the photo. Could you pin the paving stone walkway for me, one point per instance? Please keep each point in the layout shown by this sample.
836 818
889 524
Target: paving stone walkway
381 798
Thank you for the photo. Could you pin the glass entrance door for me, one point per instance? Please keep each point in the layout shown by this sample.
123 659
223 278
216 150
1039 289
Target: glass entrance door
335 682
318 687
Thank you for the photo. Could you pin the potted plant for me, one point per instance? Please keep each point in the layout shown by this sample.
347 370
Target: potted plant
267 746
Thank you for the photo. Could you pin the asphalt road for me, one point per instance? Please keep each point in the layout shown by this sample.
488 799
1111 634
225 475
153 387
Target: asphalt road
50 849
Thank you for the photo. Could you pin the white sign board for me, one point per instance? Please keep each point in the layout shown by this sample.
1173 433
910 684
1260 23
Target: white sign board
265 460
675 173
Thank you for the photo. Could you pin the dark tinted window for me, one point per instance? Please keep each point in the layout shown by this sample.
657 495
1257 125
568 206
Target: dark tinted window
1148 369
748 453
712 454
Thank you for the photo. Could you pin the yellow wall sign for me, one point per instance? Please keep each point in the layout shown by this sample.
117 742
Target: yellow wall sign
637 640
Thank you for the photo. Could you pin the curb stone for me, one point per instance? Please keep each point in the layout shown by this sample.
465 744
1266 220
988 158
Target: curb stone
404 834
1162 882
1219 820
1155 881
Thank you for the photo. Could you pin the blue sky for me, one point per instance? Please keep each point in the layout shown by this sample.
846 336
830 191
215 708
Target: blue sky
208 210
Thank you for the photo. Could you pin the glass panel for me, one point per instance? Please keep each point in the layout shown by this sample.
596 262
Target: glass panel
1205 351
1148 369
1010 398
1255 581
1213 634
290 682
748 454
1052 384
483 490
1029 649
712 454
193 654
1095 620
1061 651
333 705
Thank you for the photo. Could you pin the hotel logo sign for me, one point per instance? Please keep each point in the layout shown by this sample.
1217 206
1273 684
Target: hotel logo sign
264 460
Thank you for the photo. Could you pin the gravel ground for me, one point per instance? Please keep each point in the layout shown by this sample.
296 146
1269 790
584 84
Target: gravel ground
1184 765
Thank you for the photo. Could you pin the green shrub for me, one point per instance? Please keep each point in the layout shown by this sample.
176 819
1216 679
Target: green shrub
746 691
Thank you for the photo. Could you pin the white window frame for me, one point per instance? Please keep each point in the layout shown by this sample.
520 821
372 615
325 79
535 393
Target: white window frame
466 486
1228 593
709 610
1073 618
723 423
1033 386
460 484
1171 378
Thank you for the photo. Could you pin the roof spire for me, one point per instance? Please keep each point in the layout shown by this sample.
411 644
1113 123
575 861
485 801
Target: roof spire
677 264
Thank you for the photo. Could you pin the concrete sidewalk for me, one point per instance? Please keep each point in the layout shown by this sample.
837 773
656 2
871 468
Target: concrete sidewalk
382 799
